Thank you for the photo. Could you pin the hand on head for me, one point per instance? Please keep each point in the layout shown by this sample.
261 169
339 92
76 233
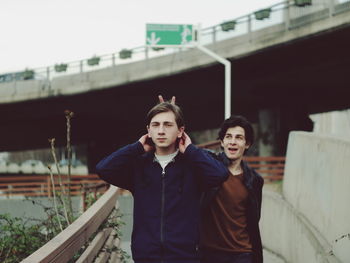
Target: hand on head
145 141
185 140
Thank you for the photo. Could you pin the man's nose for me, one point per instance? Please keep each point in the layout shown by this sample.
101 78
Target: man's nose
232 141
161 129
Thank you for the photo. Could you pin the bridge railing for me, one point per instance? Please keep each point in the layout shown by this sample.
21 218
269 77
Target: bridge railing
42 185
282 16
271 168
64 246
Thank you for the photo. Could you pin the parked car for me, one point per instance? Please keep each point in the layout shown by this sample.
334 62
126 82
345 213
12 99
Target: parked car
33 167
13 168
3 167
77 167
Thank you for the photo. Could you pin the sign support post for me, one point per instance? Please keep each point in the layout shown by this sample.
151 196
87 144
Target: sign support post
227 65
168 35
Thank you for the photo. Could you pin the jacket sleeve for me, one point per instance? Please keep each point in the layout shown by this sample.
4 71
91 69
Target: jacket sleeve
258 190
117 168
211 172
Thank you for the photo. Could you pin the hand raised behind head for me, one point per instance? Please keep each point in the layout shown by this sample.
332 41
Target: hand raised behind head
185 140
146 146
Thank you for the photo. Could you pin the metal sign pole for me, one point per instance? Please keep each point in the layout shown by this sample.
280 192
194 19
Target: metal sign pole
227 65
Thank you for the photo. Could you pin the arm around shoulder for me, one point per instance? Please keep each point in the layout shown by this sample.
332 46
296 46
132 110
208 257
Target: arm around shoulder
211 171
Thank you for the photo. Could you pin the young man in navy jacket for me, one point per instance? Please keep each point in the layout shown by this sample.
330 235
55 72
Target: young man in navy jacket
166 174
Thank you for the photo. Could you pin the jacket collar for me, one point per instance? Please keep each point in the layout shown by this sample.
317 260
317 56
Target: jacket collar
151 157
247 171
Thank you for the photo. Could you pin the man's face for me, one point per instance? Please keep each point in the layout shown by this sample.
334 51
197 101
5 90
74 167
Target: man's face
234 143
164 131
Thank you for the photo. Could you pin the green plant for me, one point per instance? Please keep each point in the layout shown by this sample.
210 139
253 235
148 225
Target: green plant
69 115
113 221
303 3
21 237
262 14
93 61
91 198
28 74
61 67
125 53
229 25
18 239
157 48
63 193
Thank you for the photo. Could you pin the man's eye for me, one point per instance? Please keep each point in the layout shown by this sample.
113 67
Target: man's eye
168 124
154 124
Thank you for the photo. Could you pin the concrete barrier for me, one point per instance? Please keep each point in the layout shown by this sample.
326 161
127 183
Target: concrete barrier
288 234
317 186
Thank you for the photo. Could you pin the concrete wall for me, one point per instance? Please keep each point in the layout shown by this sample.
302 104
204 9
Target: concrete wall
24 90
336 123
317 186
289 235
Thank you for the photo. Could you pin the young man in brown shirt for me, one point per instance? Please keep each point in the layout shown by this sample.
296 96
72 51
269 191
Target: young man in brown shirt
230 213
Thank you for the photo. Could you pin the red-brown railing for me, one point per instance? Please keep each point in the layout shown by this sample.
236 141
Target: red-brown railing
41 185
271 167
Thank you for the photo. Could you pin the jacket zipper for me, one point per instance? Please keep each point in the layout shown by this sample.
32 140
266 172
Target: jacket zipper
162 217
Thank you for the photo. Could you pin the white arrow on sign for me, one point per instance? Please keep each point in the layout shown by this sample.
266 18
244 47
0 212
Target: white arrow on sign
186 32
153 40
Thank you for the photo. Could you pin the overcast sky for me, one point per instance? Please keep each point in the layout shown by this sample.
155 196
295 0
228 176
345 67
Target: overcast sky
38 33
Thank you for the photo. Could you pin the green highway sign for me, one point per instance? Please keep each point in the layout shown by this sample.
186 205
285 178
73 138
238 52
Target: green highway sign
162 35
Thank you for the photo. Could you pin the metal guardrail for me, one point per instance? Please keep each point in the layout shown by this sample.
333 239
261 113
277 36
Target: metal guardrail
41 185
287 13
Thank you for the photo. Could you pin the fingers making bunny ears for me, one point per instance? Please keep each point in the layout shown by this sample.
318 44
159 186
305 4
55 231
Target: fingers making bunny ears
161 99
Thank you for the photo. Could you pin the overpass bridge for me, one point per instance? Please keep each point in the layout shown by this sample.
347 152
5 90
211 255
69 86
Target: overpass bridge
283 68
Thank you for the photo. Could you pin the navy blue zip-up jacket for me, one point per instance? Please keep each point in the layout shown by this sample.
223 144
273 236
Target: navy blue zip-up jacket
166 202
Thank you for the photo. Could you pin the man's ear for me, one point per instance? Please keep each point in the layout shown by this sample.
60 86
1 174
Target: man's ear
149 135
181 131
222 143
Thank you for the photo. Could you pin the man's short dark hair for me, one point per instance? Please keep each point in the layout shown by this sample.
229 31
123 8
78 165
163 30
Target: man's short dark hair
166 107
234 121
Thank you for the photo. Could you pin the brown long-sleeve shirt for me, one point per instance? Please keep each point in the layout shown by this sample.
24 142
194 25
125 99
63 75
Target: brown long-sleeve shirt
225 227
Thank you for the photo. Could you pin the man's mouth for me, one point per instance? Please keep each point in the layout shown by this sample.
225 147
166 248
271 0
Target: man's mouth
161 139
232 150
